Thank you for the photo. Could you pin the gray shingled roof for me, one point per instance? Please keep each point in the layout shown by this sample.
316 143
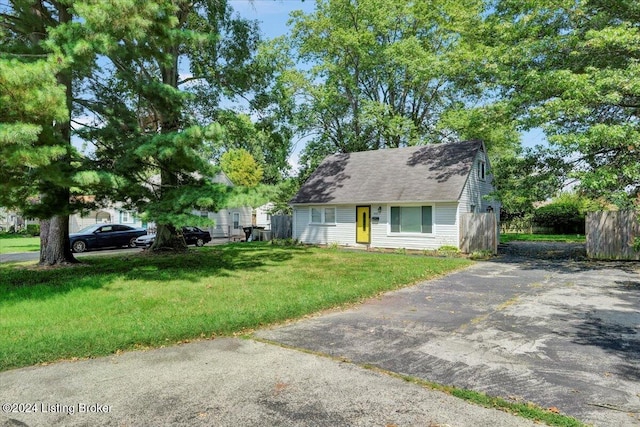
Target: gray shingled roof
435 172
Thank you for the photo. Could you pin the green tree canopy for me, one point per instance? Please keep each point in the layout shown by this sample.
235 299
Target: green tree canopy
241 168
381 73
573 69
157 125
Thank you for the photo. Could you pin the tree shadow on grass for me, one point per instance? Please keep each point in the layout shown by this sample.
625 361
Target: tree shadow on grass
17 284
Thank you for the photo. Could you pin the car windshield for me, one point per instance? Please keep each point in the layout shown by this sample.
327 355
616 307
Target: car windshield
89 229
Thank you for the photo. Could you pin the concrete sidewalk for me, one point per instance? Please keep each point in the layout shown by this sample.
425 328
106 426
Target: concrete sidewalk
227 382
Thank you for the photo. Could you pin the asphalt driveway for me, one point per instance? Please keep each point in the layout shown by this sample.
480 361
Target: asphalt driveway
539 324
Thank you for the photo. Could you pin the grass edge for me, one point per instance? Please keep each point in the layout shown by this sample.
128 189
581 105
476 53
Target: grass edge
529 410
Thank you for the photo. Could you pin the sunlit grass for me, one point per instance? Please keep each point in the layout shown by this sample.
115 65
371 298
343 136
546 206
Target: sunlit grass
112 303
566 238
20 244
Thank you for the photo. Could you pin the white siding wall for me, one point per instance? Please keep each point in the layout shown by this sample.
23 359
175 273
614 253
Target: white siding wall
224 222
105 215
475 189
343 231
263 218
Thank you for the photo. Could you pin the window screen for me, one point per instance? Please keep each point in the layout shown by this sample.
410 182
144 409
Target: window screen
411 219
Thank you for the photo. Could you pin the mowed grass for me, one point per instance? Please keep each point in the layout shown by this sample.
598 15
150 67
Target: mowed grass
566 238
111 304
19 244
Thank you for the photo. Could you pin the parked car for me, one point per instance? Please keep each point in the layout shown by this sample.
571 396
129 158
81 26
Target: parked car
192 235
105 236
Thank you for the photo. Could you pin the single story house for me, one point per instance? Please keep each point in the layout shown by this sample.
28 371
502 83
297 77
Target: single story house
409 197
107 215
228 221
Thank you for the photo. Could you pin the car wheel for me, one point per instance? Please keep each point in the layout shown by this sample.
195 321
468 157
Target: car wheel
199 242
79 246
132 242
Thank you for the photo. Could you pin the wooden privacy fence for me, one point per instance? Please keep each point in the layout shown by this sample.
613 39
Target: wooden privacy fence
281 226
478 232
610 235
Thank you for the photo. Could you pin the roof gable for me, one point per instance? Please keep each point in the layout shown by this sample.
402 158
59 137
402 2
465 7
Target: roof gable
436 172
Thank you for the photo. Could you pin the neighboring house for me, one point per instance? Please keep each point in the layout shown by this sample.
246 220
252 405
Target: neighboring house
11 220
262 216
408 197
228 222
107 215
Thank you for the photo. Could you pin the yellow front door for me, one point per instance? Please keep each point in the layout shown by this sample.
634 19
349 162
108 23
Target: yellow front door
363 224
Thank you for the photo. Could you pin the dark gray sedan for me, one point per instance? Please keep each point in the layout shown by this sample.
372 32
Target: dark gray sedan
105 236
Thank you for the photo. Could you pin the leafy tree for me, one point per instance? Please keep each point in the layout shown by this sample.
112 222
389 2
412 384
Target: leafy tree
30 101
571 68
70 34
155 133
267 142
525 177
283 193
383 73
241 168
41 185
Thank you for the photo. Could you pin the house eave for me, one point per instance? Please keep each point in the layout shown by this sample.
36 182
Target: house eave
380 202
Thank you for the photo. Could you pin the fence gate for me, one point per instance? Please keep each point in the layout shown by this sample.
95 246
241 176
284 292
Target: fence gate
610 235
478 232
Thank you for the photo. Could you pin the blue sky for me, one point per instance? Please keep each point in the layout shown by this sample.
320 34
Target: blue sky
272 14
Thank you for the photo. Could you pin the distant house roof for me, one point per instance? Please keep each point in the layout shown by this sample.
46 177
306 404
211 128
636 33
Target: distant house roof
436 172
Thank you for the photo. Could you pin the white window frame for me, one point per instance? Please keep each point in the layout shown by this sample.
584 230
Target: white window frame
482 170
412 233
126 217
236 223
323 215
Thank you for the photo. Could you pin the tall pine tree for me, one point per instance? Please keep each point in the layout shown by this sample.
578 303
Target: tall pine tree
156 104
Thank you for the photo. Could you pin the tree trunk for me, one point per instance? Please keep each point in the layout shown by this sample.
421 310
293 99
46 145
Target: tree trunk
55 248
168 239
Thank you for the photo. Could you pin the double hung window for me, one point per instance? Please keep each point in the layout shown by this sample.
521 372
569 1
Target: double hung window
323 215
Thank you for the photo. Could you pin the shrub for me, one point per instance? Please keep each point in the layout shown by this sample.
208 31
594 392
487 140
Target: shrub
33 230
565 215
481 255
448 250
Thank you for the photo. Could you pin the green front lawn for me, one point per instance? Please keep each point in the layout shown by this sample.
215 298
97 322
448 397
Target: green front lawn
113 303
567 238
19 244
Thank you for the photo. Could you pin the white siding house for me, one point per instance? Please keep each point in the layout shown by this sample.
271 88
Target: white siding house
107 215
228 222
262 216
408 197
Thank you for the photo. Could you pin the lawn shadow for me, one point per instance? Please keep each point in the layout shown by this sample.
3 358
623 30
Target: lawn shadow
18 284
